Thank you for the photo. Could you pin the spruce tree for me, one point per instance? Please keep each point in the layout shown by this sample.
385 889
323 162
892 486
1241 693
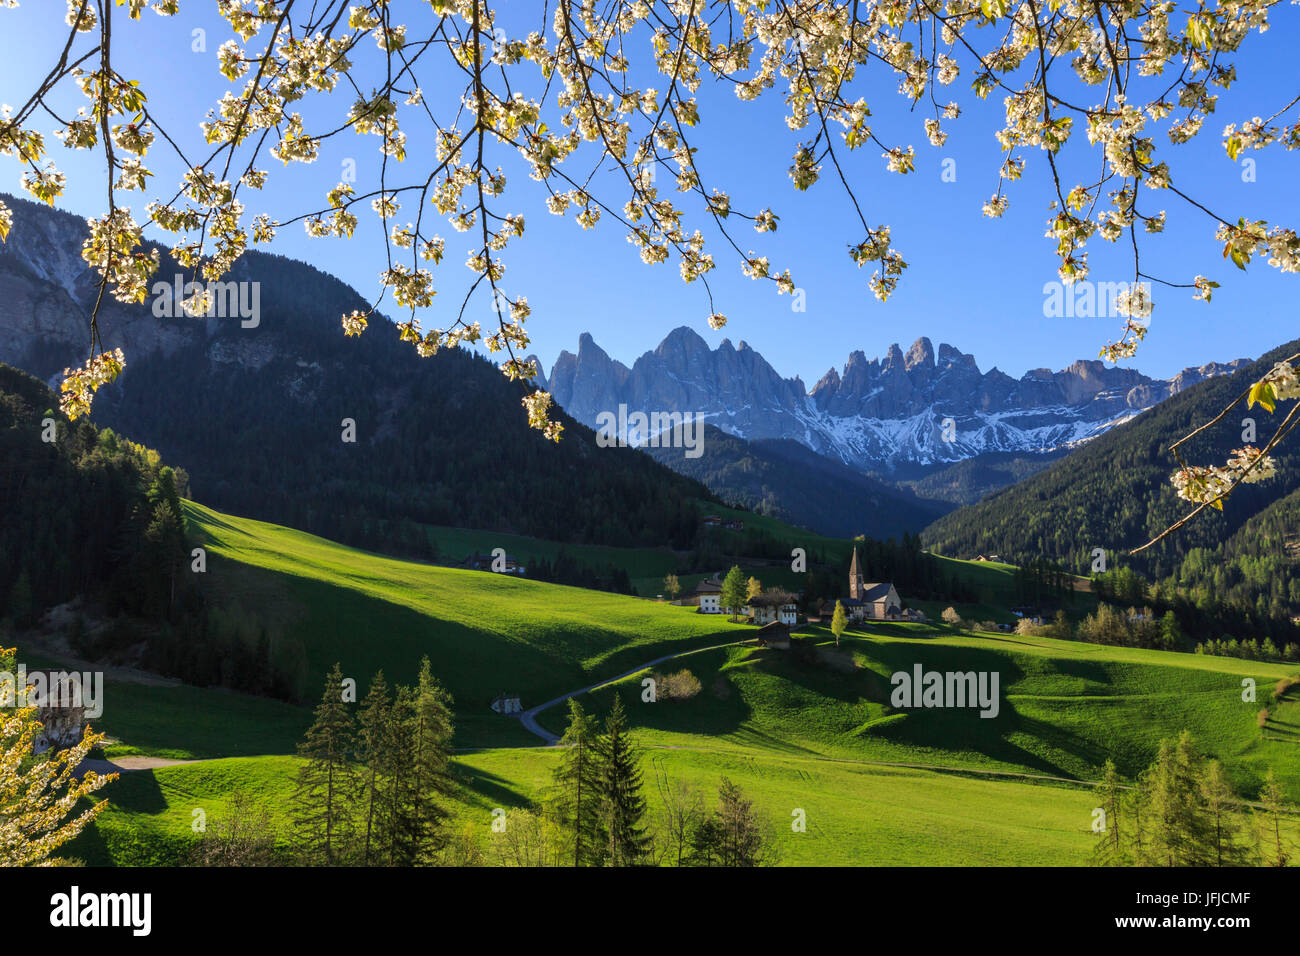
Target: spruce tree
622 802
431 763
374 755
577 793
325 789
398 828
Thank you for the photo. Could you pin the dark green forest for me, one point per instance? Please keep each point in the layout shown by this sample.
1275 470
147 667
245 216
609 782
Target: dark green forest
1114 494
93 516
256 417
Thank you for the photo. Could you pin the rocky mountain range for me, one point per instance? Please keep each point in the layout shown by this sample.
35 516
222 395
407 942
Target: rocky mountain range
876 414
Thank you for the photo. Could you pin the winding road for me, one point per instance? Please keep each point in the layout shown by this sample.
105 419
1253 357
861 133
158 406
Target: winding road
529 717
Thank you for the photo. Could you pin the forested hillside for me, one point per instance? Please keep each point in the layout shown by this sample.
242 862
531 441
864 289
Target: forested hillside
257 417
1114 492
254 407
1255 568
966 482
86 513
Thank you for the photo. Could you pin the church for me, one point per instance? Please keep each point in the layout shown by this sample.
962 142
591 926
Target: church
867 601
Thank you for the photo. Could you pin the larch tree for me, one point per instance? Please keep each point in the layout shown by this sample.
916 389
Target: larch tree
839 622
1109 850
1223 810
1268 823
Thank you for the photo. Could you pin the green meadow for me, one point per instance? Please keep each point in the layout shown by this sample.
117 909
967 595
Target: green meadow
806 735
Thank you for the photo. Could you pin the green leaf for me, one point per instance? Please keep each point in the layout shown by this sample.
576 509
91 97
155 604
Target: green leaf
1261 393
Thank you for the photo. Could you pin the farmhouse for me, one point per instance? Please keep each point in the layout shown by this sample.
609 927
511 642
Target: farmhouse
775 635
874 601
707 595
773 606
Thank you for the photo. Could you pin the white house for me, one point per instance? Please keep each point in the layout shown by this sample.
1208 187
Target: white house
773 605
708 595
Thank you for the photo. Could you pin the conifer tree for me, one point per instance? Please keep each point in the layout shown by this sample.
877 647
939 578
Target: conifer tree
577 791
375 756
1179 831
397 830
1109 850
1272 850
325 789
431 763
734 589
731 835
1221 808
622 801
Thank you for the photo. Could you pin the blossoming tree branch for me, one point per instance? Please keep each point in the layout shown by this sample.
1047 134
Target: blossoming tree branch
1128 81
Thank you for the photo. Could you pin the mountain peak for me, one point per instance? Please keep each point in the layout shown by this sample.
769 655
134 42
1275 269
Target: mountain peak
684 337
921 353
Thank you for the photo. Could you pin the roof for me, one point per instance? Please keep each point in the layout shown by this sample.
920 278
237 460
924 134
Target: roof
771 599
875 591
773 629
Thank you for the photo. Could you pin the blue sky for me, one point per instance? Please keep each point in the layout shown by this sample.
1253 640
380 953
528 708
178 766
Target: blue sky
973 282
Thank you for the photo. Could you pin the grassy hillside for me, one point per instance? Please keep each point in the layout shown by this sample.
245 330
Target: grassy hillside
484 633
1065 707
856 814
878 785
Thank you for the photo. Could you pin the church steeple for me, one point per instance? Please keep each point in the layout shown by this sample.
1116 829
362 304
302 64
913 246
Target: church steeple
857 587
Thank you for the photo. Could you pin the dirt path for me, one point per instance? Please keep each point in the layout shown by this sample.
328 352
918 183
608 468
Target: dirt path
126 764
